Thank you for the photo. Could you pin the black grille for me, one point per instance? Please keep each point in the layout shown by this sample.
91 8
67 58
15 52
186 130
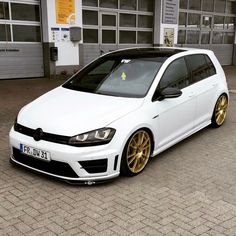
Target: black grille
94 166
45 136
52 167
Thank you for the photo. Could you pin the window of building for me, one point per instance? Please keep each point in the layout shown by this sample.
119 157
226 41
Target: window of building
206 22
127 20
220 6
194 20
205 37
90 35
144 37
218 22
217 38
108 20
91 3
208 5
128 5
145 5
4 11
194 5
183 4
181 36
176 75
90 17
182 19
26 33
109 36
127 37
25 12
193 37
145 21
229 22
5 32
229 37
109 3
229 7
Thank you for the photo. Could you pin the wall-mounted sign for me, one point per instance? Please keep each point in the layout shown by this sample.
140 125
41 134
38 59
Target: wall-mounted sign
65 12
65 34
169 37
170 11
55 34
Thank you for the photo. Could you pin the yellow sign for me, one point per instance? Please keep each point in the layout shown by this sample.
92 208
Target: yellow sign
65 11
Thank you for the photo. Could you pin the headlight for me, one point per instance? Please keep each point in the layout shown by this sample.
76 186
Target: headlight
92 138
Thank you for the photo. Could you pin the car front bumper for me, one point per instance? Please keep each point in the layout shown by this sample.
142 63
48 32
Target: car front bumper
86 165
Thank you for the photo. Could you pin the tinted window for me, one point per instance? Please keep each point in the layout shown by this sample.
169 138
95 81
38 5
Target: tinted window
201 67
4 10
25 12
211 68
26 33
176 75
5 33
128 77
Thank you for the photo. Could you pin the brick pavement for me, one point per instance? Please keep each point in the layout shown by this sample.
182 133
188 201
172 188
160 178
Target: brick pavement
189 189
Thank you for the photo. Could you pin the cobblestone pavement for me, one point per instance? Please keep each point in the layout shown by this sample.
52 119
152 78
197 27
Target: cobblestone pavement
189 189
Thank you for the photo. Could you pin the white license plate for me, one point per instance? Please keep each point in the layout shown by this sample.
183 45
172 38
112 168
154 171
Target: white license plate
34 152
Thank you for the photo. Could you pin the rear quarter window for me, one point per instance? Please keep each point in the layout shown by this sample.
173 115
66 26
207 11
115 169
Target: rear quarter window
201 67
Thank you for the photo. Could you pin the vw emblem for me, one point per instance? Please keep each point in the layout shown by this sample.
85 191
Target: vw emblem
38 134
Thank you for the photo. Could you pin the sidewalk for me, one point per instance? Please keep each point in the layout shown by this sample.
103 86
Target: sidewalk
190 189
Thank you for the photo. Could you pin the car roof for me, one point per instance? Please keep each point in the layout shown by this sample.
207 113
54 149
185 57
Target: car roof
145 52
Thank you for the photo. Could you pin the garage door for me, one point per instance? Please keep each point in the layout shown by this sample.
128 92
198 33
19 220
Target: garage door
21 53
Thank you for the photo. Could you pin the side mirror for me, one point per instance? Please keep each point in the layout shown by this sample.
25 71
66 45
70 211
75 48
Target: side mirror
168 92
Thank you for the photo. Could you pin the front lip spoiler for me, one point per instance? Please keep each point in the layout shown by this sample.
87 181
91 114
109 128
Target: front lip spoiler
75 181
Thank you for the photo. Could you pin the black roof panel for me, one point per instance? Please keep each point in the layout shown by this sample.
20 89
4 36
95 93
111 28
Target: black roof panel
145 52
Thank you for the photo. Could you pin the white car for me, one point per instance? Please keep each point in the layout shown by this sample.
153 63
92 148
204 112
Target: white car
117 112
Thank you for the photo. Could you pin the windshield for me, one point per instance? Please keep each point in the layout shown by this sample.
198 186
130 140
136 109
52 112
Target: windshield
117 77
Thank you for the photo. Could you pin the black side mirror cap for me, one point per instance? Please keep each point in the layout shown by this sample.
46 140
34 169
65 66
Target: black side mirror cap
168 92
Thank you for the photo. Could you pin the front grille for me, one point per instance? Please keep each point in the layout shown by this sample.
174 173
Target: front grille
45 136
52 167
94 166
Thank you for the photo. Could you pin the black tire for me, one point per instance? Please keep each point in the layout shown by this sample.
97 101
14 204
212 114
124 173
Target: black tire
136 153
220 111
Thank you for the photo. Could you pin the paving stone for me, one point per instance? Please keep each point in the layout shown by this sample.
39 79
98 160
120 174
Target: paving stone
187 190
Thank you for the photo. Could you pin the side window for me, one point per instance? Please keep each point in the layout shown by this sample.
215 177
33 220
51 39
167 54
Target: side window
211 67
176 75
199 66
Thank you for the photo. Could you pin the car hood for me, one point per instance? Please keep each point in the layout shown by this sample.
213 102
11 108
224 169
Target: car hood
67 112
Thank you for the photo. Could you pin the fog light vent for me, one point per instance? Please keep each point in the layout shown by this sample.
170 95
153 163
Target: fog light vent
94 166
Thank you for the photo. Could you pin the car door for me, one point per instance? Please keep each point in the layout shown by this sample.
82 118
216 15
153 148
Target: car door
176 115
204 80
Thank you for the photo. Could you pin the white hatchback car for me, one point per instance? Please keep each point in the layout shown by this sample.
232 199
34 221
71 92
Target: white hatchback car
118 111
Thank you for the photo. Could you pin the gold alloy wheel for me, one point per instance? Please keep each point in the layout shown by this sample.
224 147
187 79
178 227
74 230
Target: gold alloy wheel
221 109
138 151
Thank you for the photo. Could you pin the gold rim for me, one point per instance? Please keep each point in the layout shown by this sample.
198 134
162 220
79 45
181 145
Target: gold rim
221 108
138 151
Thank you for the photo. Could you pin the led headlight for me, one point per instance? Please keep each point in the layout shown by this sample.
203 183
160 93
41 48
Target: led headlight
92 138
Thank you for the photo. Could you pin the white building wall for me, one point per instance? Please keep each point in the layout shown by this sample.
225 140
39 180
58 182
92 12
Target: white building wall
68 51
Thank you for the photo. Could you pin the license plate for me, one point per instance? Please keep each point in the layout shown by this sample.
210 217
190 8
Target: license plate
36 153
